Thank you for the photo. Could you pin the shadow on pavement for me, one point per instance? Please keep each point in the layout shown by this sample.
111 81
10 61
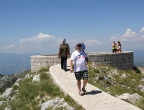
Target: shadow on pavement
93 92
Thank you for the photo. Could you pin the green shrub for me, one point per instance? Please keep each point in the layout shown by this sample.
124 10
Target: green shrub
31 93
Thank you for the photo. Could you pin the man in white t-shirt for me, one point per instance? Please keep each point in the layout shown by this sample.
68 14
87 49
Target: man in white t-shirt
80 60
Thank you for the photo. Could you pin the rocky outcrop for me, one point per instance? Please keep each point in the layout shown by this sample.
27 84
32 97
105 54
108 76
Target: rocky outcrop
7 81
130 97
1 75
56 103
47 104
141 69
7 93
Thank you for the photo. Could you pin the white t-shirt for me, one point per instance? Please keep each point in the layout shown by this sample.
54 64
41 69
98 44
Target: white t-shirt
79 59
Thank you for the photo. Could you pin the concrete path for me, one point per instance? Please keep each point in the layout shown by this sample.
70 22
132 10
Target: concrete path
96 99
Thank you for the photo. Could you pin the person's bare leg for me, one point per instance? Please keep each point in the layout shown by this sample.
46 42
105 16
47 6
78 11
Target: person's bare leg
79 86
84 85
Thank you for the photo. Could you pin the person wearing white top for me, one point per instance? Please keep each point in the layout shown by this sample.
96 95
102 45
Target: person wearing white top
119 47
80 60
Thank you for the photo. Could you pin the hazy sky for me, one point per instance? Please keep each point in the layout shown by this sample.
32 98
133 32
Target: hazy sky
40 25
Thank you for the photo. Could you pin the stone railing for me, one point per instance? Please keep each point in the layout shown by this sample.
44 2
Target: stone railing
122 60
39 61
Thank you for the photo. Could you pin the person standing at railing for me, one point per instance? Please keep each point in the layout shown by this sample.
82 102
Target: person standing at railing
114 47
119 47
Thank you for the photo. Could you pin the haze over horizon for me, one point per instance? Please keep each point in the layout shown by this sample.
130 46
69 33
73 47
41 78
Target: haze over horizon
40 25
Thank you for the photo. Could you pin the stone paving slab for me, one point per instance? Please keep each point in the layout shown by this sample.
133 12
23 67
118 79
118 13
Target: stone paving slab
96 99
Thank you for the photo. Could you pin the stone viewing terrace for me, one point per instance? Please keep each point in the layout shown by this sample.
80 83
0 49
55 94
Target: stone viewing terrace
96 99
123 60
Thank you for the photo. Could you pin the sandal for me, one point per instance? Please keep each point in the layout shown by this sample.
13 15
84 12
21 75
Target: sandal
84 91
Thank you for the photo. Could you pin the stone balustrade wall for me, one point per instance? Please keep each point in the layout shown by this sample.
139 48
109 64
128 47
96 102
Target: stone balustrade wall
124 60
39 61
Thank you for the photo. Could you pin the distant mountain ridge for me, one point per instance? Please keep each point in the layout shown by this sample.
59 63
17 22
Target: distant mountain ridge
139 58
11 63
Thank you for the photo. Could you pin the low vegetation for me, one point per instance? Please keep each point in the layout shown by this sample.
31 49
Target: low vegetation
30 95
116 82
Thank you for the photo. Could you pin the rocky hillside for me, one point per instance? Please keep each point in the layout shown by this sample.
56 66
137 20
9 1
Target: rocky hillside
35 91
8 80
127 85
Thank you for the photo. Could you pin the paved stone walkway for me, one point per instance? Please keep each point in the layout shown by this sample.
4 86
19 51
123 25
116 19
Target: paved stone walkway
96 99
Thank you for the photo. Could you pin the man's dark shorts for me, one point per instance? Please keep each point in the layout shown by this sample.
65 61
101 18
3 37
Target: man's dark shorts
81 75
